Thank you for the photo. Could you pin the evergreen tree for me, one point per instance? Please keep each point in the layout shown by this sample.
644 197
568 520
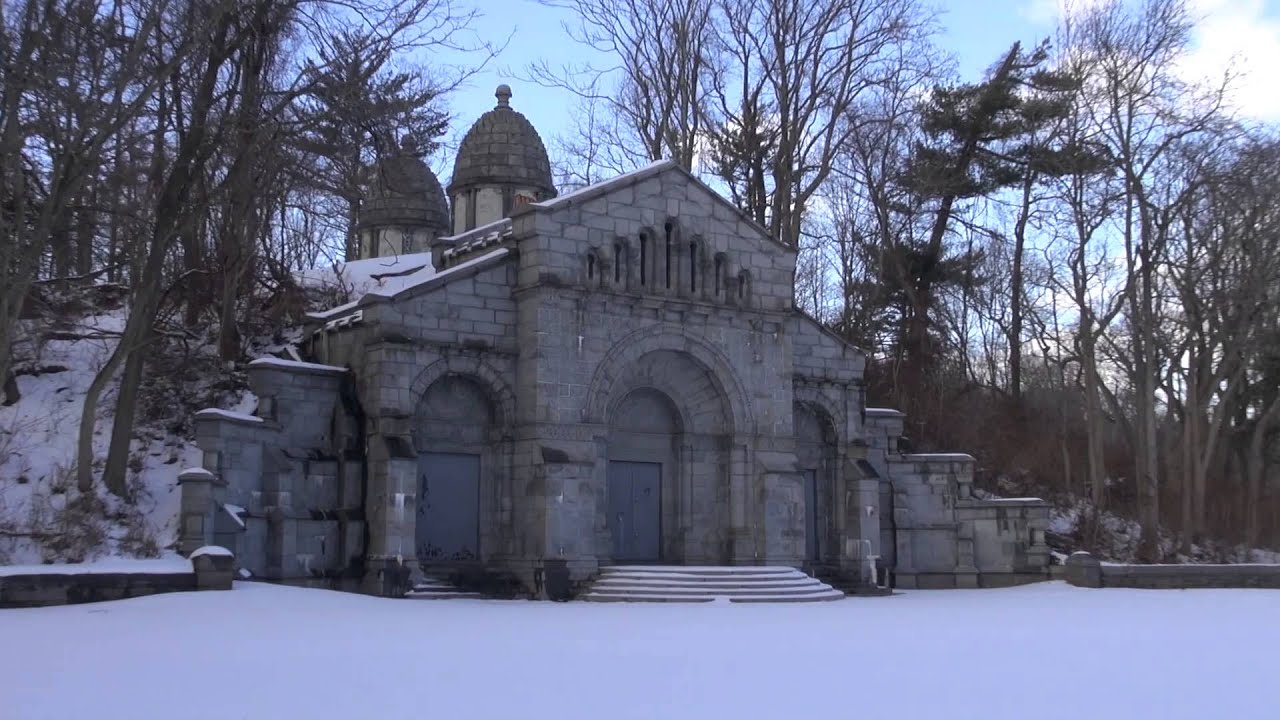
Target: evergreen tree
978 140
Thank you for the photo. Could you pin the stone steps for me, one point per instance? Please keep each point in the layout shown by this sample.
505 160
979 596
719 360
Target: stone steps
440 589
650 583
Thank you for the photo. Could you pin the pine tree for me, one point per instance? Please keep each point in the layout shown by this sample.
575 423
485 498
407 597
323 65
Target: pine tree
978 140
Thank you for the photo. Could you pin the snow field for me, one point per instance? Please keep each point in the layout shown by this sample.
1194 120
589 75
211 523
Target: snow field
262 651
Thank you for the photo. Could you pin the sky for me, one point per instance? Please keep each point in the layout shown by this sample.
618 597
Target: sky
974 32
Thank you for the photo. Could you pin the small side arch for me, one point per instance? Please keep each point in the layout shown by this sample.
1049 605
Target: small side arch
479 371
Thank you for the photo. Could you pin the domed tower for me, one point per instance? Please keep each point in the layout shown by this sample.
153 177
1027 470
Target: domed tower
404 209
501 163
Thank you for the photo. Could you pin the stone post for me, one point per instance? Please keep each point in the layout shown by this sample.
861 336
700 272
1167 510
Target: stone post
198 507
1084 570
214 567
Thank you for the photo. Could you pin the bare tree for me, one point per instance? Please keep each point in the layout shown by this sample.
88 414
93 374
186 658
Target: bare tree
72 77
657 91
789 84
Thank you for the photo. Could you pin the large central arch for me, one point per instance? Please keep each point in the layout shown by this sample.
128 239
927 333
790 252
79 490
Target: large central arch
627 352
666 456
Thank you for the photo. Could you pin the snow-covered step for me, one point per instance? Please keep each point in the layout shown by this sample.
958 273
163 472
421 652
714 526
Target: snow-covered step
650 583
433 588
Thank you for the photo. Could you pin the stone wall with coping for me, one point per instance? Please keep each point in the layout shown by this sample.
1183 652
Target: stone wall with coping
212 568
280 488
944 537
1085 570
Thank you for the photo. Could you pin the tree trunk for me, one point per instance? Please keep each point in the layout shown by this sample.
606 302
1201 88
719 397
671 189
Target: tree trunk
89 415
115 474
1256 467
11 393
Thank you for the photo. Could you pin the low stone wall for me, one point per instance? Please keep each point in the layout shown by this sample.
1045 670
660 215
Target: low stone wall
212 568
1085 570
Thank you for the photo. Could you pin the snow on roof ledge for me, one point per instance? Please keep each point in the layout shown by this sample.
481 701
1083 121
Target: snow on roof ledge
211 551
333 312
414 282
605 185
282 364
220 414
885 412
939 457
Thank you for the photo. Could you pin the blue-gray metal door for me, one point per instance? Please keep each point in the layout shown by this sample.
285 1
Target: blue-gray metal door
811 514
448 507
635 510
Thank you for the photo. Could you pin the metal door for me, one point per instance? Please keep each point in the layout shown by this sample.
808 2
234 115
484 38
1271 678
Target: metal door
635 510
811 514
448 507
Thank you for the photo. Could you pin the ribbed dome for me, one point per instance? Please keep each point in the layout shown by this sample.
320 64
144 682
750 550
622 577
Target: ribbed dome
503 148
404 192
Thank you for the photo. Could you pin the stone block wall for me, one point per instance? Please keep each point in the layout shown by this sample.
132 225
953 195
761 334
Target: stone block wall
280 488
459 323
1008 538
937 534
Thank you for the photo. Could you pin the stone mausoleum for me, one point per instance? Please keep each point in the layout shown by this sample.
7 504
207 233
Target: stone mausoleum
528 381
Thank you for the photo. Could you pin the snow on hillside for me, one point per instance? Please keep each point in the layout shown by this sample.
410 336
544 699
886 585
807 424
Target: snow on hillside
37 459
43 518
1048 651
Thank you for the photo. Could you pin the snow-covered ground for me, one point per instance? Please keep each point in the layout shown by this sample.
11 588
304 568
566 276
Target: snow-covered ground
1044 651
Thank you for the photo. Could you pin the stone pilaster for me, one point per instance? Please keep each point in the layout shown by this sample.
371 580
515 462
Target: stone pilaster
199 505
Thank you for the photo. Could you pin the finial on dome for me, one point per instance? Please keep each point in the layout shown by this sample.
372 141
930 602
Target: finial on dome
503 93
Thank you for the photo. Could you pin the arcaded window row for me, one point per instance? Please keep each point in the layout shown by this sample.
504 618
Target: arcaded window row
666 264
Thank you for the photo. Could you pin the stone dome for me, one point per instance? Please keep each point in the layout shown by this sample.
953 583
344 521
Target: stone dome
503 148
403 192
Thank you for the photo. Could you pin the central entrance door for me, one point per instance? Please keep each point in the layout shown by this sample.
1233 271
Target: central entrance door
811 514
635 510
448 507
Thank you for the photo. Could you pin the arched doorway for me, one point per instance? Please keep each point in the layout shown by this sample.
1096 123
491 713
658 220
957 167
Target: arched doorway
453 434
816 462
666 463
644 445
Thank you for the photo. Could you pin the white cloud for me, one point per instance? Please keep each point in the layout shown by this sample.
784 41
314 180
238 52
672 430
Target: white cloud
1238 35
1048 12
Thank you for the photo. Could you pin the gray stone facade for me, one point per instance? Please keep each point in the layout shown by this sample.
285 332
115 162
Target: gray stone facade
639 323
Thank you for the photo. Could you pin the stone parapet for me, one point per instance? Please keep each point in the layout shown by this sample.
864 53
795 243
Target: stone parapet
1085 570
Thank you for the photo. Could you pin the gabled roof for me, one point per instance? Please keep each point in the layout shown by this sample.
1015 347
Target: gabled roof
639 175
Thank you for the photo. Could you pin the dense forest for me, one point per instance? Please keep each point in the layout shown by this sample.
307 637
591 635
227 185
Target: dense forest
1069 267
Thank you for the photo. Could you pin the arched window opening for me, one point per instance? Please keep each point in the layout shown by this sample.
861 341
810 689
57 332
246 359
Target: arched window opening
644 259
617 262
591 266
719 273
744 278
693 267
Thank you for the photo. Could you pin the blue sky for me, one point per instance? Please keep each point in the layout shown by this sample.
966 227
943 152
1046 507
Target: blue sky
975 32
